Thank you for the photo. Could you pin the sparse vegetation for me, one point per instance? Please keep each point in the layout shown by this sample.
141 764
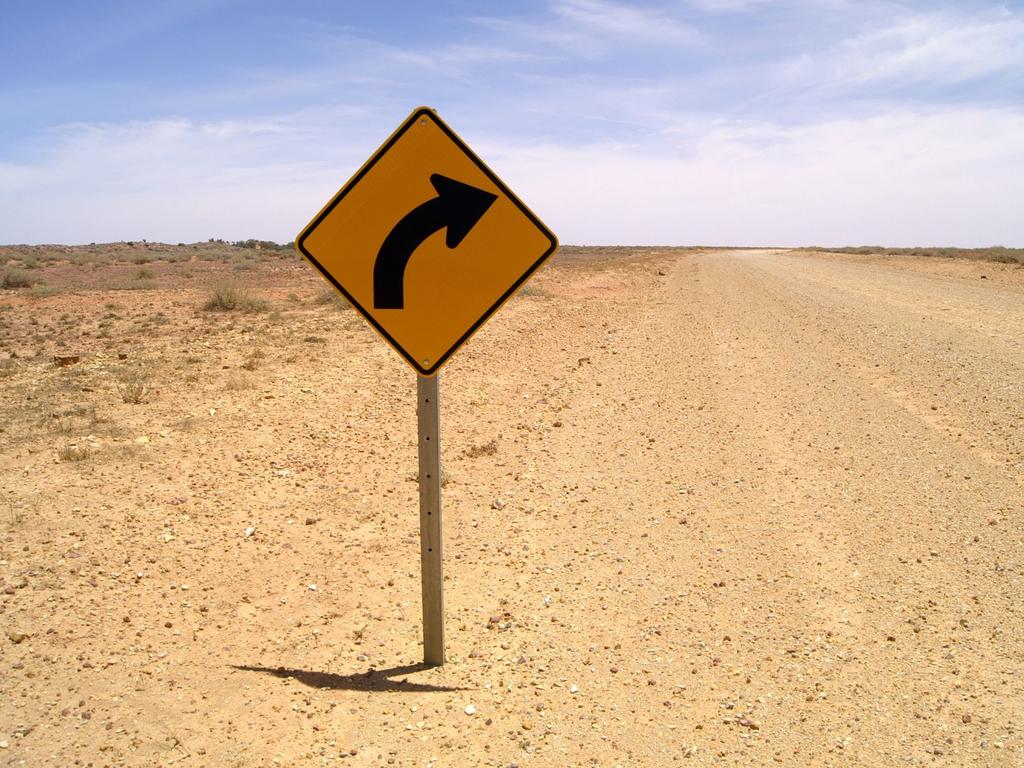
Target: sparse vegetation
996 253
262 245
145 274
142 252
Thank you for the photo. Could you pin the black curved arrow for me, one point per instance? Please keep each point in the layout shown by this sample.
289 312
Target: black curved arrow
457 206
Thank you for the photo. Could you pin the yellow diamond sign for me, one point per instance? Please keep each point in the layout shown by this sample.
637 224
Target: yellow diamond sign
425 241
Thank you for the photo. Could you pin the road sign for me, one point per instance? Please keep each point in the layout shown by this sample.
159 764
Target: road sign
425 241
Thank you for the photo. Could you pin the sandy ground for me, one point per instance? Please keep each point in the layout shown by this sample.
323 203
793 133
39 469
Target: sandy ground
725 508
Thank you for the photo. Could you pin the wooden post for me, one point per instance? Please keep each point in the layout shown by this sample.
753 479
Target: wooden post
428 413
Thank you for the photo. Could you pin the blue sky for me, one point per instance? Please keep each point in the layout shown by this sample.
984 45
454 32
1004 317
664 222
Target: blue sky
745 122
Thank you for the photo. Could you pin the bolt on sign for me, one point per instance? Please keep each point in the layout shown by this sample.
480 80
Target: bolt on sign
426 242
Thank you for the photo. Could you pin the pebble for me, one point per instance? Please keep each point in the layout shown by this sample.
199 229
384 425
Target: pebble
498 504
16 637
470 709
4 744
249 531
574 689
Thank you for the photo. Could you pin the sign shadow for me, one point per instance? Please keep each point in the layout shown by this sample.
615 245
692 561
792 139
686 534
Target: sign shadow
373 680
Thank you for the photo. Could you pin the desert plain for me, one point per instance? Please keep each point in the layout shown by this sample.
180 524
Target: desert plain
702 507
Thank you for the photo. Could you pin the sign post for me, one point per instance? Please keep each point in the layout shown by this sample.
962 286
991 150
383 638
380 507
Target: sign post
428 412
379 242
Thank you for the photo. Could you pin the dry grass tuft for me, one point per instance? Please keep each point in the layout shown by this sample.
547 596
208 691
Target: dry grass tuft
487 449
71 452
133 387
532 290
78 418
237 382
253 362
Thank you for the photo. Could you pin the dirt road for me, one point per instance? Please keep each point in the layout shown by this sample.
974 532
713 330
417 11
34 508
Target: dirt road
725 508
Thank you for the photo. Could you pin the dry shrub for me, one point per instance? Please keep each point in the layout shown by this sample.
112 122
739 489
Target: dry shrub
328 296
230 297
42 292
16 278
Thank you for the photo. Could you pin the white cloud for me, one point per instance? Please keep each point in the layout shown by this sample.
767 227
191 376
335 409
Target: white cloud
728 6
175 180
921 49
942 176
589 28
737 6
620 20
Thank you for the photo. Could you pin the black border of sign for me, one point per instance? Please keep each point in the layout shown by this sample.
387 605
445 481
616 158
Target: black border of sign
409 122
